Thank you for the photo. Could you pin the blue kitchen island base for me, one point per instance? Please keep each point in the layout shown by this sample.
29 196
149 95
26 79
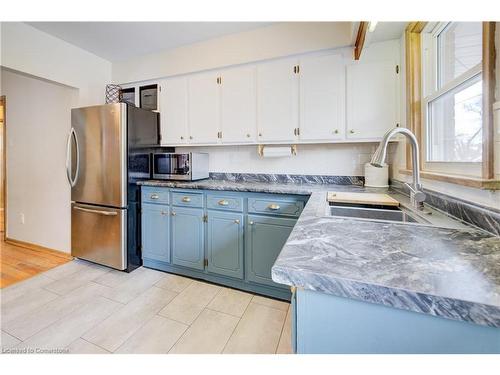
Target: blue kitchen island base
324 323
279 293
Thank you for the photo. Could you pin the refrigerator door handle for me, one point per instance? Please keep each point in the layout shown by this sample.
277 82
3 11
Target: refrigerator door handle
71 134
100 212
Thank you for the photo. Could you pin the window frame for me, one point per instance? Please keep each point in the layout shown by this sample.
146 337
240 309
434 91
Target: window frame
436 90
422 87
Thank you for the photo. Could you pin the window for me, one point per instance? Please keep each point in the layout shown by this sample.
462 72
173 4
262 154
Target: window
452 103
450 90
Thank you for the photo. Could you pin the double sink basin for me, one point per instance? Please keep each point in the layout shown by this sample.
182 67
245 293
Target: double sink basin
402 214
378 212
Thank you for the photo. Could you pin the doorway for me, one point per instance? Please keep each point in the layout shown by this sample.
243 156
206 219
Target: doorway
3 113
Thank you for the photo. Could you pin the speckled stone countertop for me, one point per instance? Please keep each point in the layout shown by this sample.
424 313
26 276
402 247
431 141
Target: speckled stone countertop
445 272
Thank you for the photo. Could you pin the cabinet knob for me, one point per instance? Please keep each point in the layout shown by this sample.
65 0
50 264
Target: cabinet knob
336 131
190 137
154 196
186 199
163 213
274 207
248 135
251 223
182 137
351 131
236 221
260 134
173 213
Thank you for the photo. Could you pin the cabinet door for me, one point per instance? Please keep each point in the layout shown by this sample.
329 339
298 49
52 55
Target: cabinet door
204 108
173 111
225 243
277 101
238 105
187 237
265 237
371 99
155 220
322 98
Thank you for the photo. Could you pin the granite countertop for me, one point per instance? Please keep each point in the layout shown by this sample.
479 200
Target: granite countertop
445 272
251 186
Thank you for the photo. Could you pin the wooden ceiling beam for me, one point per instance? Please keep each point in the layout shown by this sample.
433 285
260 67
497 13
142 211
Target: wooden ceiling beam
360 39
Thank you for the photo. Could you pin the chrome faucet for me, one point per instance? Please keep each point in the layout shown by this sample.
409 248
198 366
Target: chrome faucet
417 196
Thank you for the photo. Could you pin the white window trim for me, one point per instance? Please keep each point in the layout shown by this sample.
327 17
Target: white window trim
432 91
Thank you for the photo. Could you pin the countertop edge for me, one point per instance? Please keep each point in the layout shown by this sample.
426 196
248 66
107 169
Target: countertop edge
438 306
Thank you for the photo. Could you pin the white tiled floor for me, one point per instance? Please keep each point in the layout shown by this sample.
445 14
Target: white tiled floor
86 308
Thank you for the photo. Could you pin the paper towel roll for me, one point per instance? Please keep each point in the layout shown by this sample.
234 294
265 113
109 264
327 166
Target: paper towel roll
276 152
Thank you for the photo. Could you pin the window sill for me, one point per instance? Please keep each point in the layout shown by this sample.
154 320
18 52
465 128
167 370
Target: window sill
474 182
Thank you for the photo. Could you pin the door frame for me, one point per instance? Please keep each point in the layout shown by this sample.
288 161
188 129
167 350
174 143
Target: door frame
3 165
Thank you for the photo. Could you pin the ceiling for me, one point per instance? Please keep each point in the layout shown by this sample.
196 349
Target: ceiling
115 41
388 31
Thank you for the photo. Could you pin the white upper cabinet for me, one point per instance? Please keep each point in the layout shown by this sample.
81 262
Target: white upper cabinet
372 106
203 108
277 101
322 98
238 118
317 98
174 111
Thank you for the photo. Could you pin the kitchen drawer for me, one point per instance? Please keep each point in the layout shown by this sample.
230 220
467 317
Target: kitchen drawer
279 206
224 202
153 194
187 199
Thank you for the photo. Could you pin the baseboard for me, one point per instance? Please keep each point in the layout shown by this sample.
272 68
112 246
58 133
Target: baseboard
31 246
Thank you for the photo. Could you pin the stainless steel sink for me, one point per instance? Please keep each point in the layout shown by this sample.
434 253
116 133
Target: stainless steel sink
394 214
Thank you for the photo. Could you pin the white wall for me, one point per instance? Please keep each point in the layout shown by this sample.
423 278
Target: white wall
325 159
38 123
269 42
28 50
43 78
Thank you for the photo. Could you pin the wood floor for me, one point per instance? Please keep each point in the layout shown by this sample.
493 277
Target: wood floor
19 263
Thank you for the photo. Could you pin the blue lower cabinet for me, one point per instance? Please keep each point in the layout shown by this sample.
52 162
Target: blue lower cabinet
327 324
225 243
188 237
265 237
155 228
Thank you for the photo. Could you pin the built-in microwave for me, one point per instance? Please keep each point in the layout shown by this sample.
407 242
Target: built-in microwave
180 166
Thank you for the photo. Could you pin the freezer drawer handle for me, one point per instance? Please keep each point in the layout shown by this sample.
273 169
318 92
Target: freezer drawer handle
105 213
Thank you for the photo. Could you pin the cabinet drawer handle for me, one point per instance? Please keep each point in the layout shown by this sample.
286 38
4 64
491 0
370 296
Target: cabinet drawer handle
154 196
274 207
236 221
186 199
223 202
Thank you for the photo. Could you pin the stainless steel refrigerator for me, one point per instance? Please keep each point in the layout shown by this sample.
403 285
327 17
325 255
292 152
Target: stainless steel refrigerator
104 196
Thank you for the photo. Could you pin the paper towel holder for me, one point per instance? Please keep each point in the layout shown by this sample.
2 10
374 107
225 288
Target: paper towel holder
260 150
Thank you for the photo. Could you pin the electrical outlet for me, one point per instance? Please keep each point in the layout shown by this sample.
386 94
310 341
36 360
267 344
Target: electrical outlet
21 218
